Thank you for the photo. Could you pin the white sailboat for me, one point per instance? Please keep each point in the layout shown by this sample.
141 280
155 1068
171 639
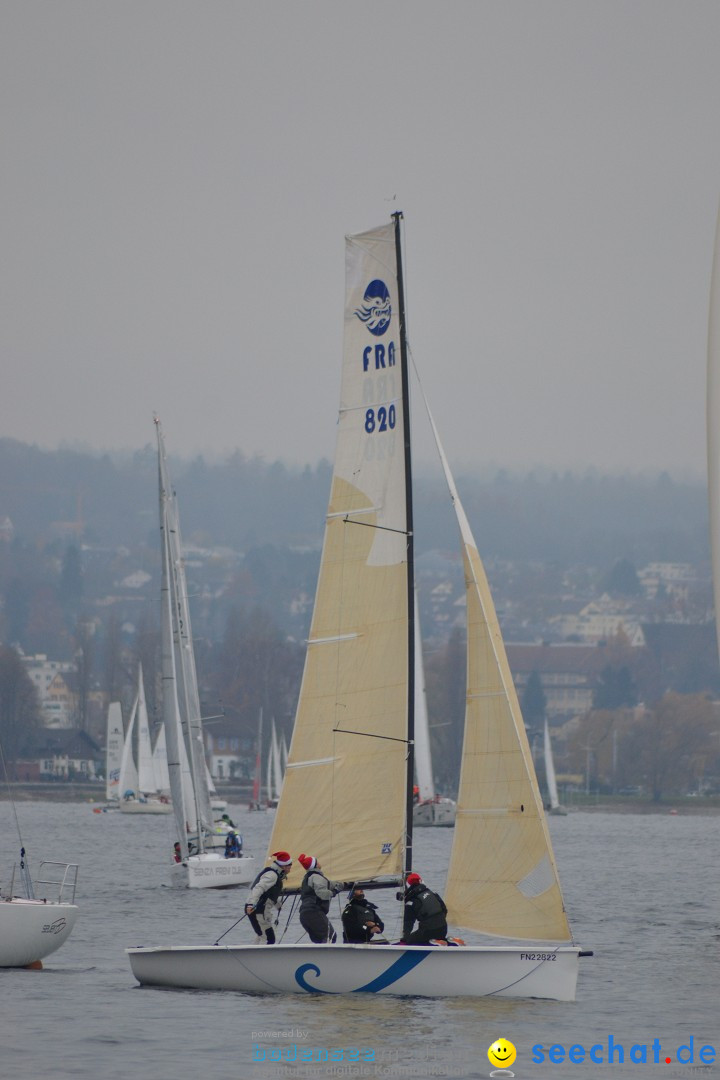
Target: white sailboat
140 790
555 806
36 924
347 794
274 772
429 808
197 865
115 742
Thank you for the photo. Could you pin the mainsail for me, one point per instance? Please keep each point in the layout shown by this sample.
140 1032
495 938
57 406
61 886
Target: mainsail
128 769
502 878
114 752
341 800
181 786
146 772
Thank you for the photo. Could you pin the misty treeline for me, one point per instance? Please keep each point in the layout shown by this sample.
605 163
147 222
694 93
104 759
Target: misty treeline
80 523
562 518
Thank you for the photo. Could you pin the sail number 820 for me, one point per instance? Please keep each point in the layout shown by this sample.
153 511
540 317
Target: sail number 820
381 419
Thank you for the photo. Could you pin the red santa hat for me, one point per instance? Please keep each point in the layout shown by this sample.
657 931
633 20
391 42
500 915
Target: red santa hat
308 861
282 858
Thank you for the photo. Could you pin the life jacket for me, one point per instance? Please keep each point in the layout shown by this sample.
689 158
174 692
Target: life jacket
273 892
308 897
428 906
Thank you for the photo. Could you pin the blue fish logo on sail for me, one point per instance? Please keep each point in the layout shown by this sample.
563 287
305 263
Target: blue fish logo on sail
376 311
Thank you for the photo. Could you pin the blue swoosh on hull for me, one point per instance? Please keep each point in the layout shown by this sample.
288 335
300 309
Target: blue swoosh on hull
402 965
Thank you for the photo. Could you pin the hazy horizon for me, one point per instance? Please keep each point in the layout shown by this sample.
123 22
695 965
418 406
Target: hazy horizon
179 179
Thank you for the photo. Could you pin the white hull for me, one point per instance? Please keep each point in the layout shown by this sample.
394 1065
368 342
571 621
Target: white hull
558 811
32 929
465 971
218 805
211 871
152 806
439 812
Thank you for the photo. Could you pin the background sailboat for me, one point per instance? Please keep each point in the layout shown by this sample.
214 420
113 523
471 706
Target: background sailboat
139 787
430 808
114 745
347 794
554 806
274 771
36 924
197 866
256 800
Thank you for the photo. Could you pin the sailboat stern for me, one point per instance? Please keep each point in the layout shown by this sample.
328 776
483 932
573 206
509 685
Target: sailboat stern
212 871
30 930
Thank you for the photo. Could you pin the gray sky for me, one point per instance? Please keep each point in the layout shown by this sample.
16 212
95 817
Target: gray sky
178 178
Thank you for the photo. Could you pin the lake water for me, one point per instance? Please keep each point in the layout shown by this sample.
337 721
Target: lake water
643 891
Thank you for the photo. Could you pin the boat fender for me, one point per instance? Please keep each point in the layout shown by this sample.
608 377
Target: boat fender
586 952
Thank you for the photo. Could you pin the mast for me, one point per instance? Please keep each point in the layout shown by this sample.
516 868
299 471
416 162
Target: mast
713 425
405 384
171 718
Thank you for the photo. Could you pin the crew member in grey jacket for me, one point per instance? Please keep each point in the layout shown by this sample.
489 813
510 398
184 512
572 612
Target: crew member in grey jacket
316 892
263 902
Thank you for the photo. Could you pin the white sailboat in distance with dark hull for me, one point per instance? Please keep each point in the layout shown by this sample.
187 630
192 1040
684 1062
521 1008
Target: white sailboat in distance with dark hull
348 790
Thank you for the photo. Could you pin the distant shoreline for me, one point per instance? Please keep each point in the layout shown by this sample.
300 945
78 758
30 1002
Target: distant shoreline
78 792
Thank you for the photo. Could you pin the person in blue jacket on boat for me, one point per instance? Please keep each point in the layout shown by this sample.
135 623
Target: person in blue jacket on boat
233 845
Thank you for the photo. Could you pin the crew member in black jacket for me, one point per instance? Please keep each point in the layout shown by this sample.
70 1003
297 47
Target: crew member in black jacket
360 919
427 909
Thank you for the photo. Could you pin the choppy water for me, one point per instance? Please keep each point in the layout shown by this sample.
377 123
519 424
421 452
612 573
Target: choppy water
643 891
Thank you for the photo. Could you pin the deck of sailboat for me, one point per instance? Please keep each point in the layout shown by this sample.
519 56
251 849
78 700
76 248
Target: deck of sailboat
514 971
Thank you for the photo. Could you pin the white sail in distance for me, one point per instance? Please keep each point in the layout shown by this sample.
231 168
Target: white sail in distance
128 768
114 750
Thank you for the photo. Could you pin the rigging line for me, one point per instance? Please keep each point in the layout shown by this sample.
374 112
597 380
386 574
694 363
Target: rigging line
369 525
10 796
289 918
230 928
369 735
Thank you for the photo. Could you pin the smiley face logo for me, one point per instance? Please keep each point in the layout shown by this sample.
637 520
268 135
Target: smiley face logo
502 1053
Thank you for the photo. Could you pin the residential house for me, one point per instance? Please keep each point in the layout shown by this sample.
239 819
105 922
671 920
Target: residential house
59 755
567 672
54 681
